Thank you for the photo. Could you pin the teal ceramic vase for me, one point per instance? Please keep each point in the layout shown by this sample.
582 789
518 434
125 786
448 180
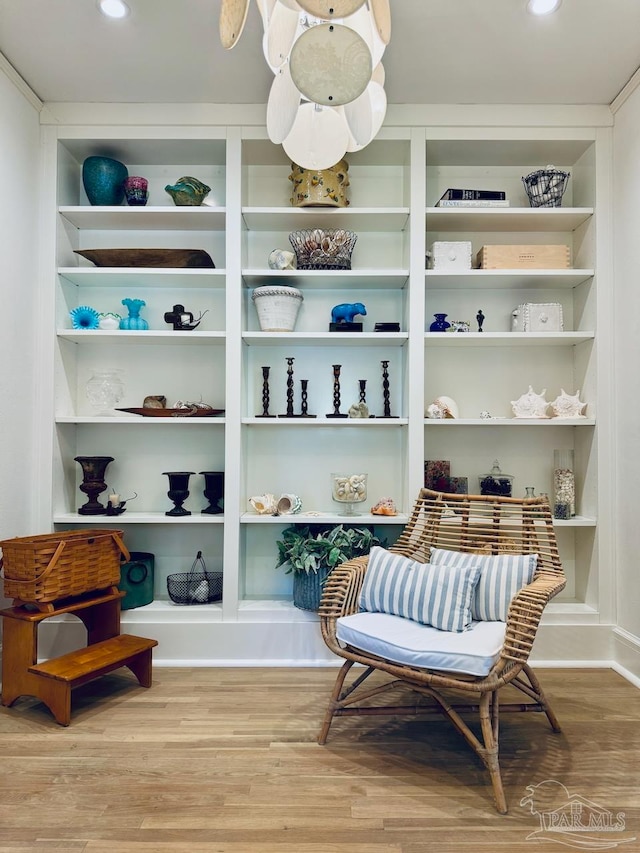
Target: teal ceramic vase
134 322
103 180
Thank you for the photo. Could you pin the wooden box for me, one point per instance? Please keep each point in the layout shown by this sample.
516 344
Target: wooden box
450 256
549 257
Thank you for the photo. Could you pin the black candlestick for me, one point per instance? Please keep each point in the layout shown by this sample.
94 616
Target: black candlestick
336 394
265 394
480 319
304 405
385 390
289 412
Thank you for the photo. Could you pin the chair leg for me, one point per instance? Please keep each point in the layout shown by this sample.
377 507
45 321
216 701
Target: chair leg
334 701
489 714
542 699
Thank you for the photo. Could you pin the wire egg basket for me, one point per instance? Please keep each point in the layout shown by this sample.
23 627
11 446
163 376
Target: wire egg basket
197 586
546 187
323 249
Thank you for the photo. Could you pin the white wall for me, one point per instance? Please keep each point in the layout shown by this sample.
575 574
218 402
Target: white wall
626 303
19 212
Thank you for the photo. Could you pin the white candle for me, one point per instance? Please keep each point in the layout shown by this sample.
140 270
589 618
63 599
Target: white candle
114 500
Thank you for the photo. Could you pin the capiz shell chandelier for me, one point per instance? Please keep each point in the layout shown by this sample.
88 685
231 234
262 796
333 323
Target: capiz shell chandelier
327 97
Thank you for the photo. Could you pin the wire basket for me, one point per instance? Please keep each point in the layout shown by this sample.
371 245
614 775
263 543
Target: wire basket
546 187
320 249
197 586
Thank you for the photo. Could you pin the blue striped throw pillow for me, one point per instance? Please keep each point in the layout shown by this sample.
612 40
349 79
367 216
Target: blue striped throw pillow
434 595
502 575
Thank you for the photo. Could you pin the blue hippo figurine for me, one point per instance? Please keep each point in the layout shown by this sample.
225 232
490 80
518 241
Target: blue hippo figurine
346 311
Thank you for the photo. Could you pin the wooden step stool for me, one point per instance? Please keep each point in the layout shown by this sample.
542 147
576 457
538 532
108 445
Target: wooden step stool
53 680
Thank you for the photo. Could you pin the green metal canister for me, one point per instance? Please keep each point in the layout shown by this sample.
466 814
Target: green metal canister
136 580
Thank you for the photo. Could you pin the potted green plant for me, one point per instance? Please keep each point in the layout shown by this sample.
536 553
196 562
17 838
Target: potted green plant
311 552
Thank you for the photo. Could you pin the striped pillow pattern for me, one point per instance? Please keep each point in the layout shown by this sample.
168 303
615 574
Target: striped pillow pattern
433 595
502 575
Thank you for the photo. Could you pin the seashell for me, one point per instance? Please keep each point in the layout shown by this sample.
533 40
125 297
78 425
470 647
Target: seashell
264 504
281 259
359 410
289 504
443 407
448 406
568 406
385 506
530 405
154 402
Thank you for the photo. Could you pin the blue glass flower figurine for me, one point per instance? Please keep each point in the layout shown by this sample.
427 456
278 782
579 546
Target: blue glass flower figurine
134 322
84 317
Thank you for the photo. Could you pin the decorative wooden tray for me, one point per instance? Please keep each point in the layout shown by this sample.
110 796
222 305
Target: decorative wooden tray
174 413
167 258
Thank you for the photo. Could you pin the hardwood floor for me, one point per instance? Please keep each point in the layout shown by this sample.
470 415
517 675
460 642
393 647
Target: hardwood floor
225 761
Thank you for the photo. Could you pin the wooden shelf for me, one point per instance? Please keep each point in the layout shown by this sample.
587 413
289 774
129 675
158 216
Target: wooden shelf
478 219
126 419
332 339
143 277
148 218
321 421
324 518
353 218
136 518
510 422
365 279
506 339
506 279
152 337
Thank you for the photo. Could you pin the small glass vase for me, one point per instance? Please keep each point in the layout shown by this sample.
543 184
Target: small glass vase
348 490
105 390
134 322
564 485
440 324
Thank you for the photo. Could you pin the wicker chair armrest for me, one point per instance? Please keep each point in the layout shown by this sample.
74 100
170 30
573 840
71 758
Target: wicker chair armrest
525 612
342 589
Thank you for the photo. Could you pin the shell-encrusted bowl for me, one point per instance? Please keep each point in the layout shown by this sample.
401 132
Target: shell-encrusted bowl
323 249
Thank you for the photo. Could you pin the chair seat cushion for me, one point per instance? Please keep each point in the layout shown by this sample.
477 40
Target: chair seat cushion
407 642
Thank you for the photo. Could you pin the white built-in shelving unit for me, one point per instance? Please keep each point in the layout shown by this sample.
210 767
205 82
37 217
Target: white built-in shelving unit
395 183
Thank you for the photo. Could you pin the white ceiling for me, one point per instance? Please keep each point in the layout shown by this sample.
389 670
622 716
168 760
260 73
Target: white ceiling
441 51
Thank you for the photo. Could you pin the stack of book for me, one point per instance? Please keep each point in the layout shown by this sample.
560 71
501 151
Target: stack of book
473 198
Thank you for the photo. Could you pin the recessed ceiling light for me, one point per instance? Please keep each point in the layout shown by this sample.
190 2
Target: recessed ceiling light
542 7
114 8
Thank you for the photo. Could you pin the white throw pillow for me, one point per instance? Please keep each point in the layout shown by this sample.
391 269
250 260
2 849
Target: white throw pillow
433 595
502 575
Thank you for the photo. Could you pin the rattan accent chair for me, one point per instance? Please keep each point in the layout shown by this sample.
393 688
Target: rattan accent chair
475 525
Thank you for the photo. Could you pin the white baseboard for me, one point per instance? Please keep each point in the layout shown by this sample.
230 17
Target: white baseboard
626 655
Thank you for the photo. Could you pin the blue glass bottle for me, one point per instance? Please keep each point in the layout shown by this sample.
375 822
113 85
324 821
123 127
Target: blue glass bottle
134 322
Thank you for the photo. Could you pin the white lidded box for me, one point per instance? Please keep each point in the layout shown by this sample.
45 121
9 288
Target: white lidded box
450 256
537 317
